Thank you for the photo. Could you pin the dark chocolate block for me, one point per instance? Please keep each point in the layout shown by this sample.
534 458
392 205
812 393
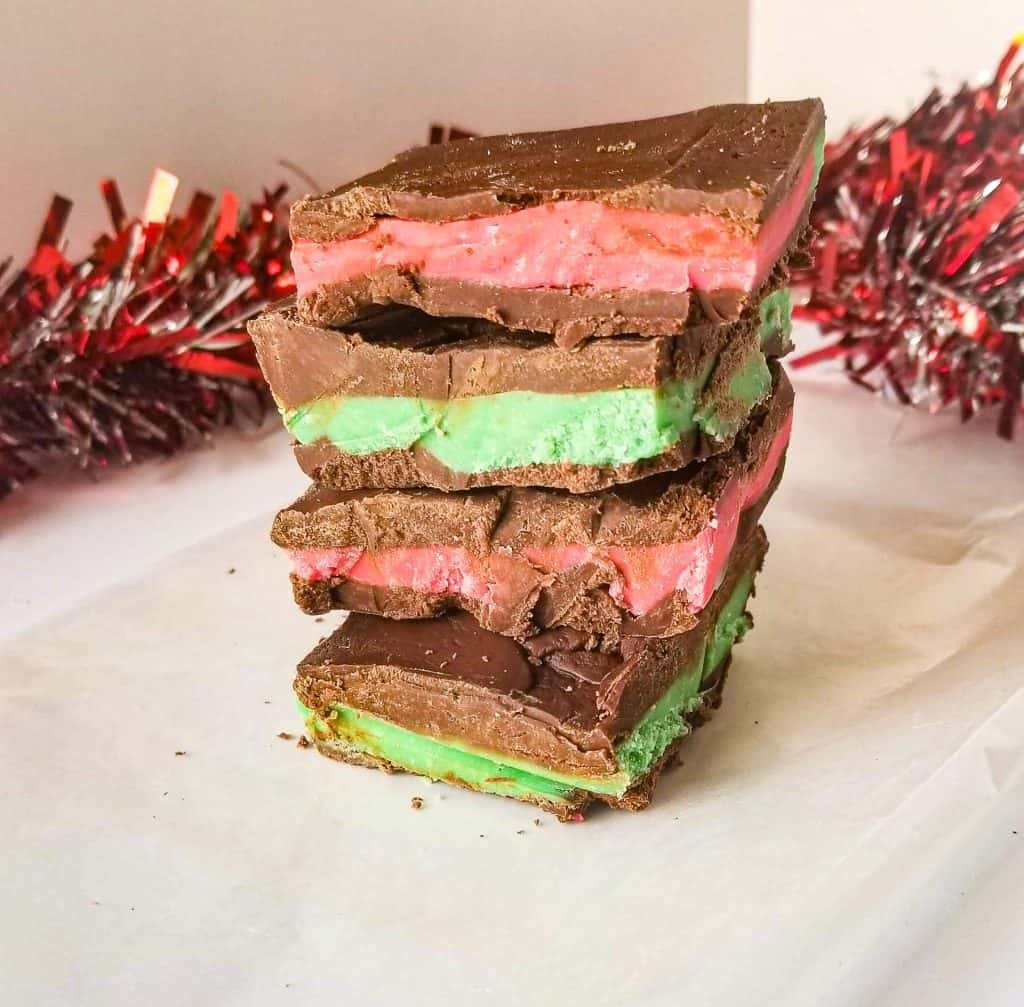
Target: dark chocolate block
400 351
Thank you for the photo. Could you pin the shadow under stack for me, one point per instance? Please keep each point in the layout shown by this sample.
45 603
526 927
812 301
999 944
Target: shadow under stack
534 380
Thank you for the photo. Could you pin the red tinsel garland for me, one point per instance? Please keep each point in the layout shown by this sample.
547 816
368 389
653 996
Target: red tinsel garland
919 257
140 348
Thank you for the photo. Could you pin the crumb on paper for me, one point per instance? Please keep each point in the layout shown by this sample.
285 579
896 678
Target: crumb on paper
319 618
520 832
303 742
285 736
616 148
416 803
181 752
536 822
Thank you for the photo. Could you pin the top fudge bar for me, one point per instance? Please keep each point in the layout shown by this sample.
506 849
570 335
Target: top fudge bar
599 231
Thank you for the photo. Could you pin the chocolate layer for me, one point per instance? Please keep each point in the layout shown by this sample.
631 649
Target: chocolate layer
572 315
735 161
665 509
562 700
401 468
403 352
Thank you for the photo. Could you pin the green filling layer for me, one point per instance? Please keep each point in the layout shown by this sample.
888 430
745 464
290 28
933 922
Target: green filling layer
776 314
749 385
510 429
353 732
663 722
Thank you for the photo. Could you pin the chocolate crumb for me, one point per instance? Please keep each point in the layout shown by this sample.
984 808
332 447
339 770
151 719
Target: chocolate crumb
181 753
285 736
416 803
536 822
231 570
319 618
520 832
303 742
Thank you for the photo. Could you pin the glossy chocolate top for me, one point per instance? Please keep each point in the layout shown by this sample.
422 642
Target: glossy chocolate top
732 160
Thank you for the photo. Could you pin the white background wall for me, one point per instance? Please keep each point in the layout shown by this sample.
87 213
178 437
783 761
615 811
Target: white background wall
869 57
218 90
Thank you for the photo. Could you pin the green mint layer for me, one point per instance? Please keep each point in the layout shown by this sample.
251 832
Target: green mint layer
354 732
513 429
507 430
776 315
749 385
819 161
664 722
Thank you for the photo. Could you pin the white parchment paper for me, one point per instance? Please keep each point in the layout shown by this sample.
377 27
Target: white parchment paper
866 769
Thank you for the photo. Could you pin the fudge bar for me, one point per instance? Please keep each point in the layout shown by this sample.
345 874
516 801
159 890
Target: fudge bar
402 399
604 230
562 720
642 558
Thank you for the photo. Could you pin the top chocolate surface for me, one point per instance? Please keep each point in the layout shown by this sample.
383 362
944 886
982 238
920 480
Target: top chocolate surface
736 161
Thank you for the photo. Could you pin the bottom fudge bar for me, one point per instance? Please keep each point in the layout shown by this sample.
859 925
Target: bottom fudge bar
562 720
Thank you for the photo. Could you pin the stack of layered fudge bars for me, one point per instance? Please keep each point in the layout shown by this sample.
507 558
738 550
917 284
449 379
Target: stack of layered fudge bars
534 380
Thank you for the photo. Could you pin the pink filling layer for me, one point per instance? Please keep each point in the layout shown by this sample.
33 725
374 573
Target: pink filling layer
571 243
647 575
